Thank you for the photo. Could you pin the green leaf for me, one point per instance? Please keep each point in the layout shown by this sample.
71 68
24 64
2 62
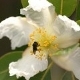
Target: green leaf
22 48
24 3
5 76
64 7
9 57
78 10
78 22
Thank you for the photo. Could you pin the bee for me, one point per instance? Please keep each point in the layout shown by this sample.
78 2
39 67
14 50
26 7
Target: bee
35 45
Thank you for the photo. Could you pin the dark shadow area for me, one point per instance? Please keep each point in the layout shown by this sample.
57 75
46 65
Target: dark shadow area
8 8
4 45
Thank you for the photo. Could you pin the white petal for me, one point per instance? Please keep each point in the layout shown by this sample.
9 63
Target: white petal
74 61
64 23
68 39
70 61
28 66
44 17
17 29
68 31
39 4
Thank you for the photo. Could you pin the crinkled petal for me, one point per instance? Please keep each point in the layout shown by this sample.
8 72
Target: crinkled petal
70 61
28 66
63 24
39 4
17 29
64 27
41 12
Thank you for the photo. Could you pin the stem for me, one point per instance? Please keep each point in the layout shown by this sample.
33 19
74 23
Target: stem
77 9
3 71
73 78
63 75
61 7
50 65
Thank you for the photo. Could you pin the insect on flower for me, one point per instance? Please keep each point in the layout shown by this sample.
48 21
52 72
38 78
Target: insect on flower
47 34
35 47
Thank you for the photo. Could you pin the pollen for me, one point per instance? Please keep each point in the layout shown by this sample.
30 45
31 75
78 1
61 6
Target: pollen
46 43
54 37
39 30
31 35
40 55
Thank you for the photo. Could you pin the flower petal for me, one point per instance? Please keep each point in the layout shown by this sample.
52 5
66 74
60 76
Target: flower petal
62 60
64 23
28 66
64 27
41 12
39 4
74 61
70 61
17 29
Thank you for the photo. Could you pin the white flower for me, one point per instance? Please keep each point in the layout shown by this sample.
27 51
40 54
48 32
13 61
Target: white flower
47 35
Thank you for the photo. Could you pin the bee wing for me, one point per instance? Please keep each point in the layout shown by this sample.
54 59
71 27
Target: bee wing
17 29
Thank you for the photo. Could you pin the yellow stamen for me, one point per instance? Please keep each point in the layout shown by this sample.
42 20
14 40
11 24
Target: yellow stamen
39 30
32 38
45 40
54 37
40 56
46 43
31 35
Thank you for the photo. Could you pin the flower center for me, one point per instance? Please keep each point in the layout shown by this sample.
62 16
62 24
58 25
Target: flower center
42 40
